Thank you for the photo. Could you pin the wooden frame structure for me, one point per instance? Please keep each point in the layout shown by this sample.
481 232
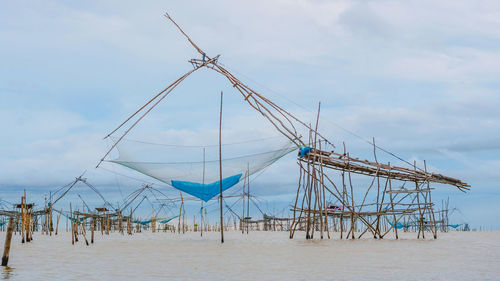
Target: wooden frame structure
391 205
315 167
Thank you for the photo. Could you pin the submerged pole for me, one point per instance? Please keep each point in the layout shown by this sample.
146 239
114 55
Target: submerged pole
248 200
23 221
201 210
8 239
220 170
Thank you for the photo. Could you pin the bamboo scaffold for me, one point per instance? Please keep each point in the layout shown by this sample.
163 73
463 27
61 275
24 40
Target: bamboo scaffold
389 206
325 201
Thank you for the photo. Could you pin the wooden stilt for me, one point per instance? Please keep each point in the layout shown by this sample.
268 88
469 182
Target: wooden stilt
57 223
92 226
220 171
8 240
72 225
23 218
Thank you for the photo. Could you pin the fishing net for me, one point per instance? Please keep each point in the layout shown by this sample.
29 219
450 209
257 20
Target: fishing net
195 169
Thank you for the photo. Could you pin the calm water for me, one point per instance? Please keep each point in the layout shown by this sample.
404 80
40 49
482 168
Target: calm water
258 256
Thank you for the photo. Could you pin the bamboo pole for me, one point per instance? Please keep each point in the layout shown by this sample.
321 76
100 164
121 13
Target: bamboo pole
325 207
76 227
180 214
201 210
23 218
353 211
92 227
421 218
392 206
8 240
242 226
248 201
107 223
28 226
72 225
431 208
309 194
84 232
57 224
316 188
294 223
50 220
220 170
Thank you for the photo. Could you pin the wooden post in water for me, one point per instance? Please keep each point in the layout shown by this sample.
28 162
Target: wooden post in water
72 225
180 214
76 228
84 232
129 223
107 222
242 225
28 226
220 170
92 226
8 240
27 218
184 228
23 220
51 227
431 209
201 210
57 223
248 201
120 222
101 218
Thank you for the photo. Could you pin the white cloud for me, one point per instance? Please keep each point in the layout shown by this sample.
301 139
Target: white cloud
420 76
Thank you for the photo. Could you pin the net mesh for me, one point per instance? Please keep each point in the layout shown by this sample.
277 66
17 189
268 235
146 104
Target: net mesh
195 169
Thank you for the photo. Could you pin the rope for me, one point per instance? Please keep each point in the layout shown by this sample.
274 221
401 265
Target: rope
327 120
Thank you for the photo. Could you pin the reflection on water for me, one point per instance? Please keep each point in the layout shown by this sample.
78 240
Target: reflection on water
6 272
257 256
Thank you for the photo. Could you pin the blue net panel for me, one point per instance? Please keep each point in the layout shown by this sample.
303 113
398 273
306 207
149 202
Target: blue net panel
167 220
206 191
398 225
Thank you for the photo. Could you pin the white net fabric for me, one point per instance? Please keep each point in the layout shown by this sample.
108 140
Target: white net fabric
200 164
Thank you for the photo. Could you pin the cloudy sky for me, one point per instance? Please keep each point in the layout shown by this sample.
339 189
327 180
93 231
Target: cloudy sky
420 76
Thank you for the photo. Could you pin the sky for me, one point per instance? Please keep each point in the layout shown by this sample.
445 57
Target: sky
421 77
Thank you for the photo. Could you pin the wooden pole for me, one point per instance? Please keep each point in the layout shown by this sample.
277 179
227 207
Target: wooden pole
23 219
57 223
180 214
248 202
242 226
50 216
107 223
377 228
431 206
201 210
294 223
92 226
317 191
27 219
44 218
72 225
8 240
220 170
394 225
183 220
325 207
28 226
